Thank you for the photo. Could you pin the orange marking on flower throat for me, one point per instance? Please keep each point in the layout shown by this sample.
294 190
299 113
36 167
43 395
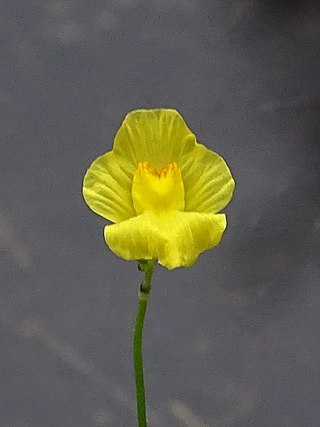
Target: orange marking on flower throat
145 168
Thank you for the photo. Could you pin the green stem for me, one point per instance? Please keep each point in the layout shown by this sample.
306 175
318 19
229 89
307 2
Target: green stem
143 296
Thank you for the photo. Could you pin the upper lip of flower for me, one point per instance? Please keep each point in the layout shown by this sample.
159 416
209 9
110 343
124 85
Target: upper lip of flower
155 166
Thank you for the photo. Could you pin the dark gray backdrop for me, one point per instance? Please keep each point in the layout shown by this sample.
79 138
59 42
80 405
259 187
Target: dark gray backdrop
230 342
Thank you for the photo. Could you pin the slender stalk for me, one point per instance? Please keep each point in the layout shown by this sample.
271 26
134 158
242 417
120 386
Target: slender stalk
143 297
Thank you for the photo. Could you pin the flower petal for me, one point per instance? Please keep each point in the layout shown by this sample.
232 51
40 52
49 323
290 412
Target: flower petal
175 239
156 136
107 188
208 182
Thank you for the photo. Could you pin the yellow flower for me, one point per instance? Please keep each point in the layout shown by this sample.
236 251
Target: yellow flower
161 189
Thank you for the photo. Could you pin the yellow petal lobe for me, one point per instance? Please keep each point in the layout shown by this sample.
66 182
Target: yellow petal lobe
158 136
207 181
107 188
175 239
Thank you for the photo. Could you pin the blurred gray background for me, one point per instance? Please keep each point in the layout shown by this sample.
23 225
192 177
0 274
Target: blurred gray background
234 340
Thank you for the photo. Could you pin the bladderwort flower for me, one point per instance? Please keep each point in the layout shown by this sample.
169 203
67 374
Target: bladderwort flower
163 193
161 189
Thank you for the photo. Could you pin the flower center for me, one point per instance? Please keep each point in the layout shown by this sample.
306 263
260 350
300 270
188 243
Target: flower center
154 190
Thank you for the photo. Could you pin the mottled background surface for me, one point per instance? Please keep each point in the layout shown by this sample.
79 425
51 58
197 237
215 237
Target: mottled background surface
231 342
